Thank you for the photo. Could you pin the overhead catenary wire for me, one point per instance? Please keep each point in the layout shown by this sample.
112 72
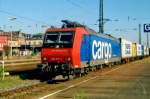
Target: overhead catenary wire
0 4
22 17
42 22
80 6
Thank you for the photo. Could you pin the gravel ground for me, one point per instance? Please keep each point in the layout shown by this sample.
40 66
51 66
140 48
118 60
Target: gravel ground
14 82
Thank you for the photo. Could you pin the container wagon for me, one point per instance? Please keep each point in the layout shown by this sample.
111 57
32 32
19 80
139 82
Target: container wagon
126 50
146 51
139 51
134 51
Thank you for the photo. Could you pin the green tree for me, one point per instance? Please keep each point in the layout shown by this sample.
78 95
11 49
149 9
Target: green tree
7 50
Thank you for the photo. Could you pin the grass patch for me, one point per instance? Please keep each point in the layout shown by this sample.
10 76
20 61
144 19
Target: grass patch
1 72
79 95
11 81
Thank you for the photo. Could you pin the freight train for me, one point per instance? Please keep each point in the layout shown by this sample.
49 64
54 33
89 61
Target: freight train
76 49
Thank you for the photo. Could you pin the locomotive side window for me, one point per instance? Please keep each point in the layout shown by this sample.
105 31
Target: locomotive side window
59 40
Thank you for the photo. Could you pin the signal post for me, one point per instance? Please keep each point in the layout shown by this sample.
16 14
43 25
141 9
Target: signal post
147 30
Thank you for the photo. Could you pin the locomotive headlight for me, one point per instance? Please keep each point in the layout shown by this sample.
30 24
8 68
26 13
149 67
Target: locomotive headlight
68 59
76 66
44 59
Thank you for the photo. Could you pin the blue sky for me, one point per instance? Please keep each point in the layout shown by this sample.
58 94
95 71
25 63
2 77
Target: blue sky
32 14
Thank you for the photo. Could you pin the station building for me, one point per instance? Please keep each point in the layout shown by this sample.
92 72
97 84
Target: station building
21 43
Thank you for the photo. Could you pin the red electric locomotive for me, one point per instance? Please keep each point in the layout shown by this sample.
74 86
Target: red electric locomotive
60 53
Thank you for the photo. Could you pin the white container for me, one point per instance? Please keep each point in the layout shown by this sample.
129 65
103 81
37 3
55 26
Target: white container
146 51
126 48
139 50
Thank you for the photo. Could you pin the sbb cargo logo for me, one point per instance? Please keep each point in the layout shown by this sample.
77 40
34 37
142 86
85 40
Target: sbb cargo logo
101 50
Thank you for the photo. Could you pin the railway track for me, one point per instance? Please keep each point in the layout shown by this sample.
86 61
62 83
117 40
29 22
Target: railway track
19 65
56 84
43 86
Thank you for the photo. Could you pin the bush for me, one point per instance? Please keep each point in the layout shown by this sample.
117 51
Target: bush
7 50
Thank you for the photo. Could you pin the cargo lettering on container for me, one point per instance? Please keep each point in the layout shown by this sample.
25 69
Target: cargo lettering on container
103 50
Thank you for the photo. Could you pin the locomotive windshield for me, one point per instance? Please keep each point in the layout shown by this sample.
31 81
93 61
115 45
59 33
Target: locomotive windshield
58 39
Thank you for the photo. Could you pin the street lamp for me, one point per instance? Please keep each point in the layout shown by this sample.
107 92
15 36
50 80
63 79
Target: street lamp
25 47
11 19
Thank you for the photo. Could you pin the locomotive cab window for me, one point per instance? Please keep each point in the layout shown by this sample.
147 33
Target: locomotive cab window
66 38
58 39
51 38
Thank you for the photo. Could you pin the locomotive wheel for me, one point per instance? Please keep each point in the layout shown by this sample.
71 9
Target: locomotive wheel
86 70
68 76
78 75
